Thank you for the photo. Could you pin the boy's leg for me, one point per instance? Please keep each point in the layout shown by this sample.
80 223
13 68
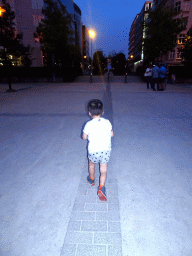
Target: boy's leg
91 170
103 174
91 177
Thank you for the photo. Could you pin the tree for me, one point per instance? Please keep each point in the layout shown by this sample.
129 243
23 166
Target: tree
161 31
118 63
99 63
10 40
12 49
55 33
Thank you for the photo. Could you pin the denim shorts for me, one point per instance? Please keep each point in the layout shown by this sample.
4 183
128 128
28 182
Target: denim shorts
99 157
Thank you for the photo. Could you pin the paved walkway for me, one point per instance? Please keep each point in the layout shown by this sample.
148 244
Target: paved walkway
46 205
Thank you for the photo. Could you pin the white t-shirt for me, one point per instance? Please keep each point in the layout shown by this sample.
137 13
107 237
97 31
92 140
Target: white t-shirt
99 134
148 72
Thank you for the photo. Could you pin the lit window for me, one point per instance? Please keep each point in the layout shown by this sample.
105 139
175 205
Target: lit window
181 39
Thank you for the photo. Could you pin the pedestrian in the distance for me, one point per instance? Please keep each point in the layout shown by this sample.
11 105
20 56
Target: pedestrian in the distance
173 76
98 131
166 76
148 75
162 74
155 77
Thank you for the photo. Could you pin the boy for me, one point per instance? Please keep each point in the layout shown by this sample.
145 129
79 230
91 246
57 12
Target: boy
98 131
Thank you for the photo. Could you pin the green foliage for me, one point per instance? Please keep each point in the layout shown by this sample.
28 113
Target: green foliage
99 63
162 29
55 32
10 41
118 62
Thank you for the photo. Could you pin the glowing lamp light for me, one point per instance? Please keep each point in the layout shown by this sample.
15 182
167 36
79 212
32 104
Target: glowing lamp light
2 11
92 33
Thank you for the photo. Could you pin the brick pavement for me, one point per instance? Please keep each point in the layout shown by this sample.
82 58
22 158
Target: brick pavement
94 227
149 220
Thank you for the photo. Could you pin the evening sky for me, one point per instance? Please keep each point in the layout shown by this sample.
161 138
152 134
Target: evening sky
111 19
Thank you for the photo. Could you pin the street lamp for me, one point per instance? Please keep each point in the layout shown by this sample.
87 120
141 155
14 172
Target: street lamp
92 36
1 14
2 11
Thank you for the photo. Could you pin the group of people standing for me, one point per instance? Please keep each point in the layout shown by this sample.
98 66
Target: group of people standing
155 75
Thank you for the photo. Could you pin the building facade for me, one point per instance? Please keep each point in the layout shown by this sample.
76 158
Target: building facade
137 33
69 5
132 44
28 14
173 58
77 26
85 49
132 37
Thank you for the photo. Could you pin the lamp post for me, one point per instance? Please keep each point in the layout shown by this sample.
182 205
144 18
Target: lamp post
92 36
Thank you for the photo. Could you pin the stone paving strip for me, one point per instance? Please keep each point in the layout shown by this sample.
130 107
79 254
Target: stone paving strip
94 228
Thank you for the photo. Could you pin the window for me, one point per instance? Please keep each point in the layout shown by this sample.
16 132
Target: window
37 4
181 39
148 7
178 6
172 55
179 54
184 21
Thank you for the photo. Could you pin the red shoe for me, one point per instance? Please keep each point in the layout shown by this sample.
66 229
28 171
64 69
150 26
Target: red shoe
101 193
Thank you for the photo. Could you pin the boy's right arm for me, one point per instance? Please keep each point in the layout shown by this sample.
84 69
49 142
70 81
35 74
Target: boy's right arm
85 136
